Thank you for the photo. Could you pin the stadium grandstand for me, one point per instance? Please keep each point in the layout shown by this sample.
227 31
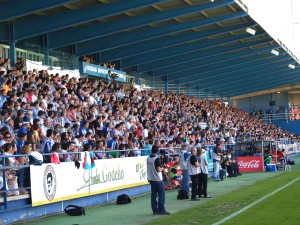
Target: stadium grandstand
98 83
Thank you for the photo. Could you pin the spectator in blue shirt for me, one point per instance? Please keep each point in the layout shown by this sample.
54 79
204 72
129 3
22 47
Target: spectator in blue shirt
24 128
20 142
148 147
48 142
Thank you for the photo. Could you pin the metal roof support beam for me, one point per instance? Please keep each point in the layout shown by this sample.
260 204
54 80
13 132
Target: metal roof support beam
294 78
187 58
229 100
265 68
268 91
218 74
12 44
204 64
5 32
120 40
12 52
188 90
247 77
178 88
166 85
85 33
13 9
234 79
261 79
59 21
182 49
278 84
165 42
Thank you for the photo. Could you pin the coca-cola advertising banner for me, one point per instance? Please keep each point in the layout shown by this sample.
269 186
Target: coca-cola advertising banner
250 164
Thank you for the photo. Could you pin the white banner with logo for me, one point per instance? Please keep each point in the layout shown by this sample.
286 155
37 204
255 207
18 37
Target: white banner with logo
100 71
53 183
31 65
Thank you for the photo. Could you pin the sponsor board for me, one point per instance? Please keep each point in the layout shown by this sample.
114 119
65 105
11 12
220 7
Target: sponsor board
250 164
53 183
210 165
100 71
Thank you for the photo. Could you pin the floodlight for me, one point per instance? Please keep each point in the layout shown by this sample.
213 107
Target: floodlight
250 31
292 66
275 52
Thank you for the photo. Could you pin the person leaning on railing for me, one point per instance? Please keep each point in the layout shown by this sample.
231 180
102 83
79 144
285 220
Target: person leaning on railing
24 160
9 150
11 179
168 117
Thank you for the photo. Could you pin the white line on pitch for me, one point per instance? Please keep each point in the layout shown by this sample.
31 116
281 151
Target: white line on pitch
254 203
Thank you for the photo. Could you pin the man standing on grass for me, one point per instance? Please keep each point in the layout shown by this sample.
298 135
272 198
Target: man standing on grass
194 170
154 176
185 182
217 153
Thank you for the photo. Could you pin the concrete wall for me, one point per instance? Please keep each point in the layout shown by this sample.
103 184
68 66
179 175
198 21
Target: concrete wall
262 101
294 98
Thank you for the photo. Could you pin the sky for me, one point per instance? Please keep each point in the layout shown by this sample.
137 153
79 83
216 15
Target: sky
280 18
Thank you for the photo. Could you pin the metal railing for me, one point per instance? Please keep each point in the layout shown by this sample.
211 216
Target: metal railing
272 117
247 149
5 190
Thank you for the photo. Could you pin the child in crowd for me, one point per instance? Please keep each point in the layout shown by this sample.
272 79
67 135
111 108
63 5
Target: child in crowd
174 172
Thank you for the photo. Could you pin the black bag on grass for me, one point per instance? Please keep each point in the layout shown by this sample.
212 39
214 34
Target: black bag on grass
291 161
182 194
74 210
123 199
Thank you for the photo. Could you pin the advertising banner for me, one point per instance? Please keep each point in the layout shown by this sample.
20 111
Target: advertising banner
250 164
100 71
31 65
53 183
209 160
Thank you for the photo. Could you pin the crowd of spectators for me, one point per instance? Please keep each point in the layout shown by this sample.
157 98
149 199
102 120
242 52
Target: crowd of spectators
110 65
88 59
52 113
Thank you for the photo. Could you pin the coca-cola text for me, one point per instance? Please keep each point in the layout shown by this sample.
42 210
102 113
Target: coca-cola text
250 164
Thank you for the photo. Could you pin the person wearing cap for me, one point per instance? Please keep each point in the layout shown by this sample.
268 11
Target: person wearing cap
9 123
202 178
25 127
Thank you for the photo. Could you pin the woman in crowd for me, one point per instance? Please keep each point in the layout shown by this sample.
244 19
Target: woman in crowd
137 116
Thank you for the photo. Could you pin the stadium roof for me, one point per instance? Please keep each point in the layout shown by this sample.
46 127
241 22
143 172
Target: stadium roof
201 44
